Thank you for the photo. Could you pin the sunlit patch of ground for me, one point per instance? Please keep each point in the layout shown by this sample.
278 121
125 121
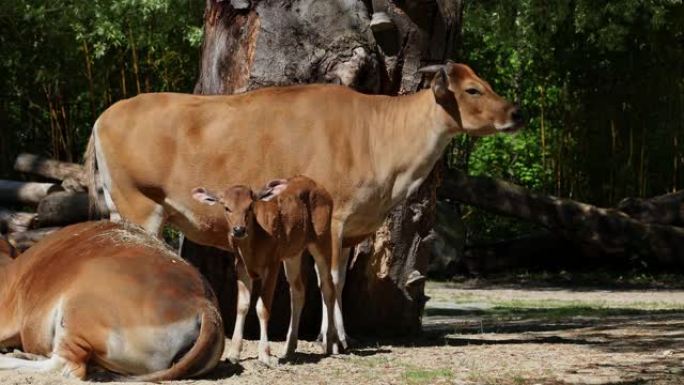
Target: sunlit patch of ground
501 335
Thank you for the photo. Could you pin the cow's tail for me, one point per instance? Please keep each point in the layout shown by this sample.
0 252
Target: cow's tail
90 160
204 354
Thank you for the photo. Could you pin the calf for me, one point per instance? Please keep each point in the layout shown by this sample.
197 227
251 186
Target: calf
270 227
98 294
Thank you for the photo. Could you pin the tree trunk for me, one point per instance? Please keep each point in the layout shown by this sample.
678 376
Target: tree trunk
612 231
665 209
282 42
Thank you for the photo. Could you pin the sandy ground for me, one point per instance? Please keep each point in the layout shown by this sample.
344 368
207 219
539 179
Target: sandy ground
493 336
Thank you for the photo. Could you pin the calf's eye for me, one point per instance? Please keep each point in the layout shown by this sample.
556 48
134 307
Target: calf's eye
473 91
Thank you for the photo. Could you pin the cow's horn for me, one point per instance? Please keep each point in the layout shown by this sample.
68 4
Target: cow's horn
431 69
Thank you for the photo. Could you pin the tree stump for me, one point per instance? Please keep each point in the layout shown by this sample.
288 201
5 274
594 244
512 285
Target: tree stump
283 42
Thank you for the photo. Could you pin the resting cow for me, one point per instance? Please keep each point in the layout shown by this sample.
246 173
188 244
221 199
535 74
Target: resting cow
99 295
269 227
368 151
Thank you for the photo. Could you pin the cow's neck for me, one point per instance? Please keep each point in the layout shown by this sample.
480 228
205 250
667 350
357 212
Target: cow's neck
410 142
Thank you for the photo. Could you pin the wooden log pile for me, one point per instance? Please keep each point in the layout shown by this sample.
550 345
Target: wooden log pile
650 229
30 210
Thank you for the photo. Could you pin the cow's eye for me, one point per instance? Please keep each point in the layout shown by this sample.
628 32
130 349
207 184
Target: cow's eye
473 91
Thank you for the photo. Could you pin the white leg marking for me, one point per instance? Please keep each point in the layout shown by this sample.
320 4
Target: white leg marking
155 222
244 294
264 349
54 363
339 276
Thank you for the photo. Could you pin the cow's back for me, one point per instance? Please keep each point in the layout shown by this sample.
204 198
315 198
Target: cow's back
164 145
88 261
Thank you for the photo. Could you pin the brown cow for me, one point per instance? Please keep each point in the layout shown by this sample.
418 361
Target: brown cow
274 225
369 151
97 294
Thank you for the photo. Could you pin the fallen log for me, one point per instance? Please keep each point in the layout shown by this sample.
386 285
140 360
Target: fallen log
24 240
7 251
610 230
50 168
25 192
665 209
13 221
530 251
64 208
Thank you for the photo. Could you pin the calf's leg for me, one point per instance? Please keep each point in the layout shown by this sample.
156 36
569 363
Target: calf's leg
293 272
268 283
244 285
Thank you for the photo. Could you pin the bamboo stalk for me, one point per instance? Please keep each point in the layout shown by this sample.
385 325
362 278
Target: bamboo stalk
134 52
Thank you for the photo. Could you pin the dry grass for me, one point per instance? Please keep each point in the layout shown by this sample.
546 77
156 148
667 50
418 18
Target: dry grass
498 336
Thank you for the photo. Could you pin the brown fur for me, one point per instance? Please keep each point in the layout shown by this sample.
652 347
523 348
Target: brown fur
295 218
368 151
105 278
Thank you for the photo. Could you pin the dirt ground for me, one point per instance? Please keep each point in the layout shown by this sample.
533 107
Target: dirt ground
494 335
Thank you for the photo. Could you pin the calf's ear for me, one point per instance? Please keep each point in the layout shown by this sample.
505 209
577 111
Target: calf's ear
203 196
268 217
272 189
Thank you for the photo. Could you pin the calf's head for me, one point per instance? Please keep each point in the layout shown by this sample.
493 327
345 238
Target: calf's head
242 206
470 104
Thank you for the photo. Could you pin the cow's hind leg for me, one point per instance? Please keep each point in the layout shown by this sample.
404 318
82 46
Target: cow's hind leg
338 270
56 363
137 208
321 254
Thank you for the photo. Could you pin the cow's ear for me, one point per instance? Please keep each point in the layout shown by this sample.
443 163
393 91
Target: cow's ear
440 84
203 196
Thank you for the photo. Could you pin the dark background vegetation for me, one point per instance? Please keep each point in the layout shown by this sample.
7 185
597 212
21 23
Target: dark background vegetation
602 84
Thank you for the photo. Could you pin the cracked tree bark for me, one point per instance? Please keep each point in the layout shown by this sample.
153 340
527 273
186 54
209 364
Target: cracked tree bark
281 42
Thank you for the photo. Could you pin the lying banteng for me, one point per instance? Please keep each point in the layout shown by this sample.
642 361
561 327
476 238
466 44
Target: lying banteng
99 295
268 227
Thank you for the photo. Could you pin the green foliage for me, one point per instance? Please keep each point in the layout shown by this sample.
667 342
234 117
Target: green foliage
63 62
602 84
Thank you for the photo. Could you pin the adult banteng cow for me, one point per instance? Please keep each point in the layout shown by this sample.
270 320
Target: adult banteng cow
103 295
369 151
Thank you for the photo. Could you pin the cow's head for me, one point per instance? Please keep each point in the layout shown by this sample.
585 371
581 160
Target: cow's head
470 103
239 206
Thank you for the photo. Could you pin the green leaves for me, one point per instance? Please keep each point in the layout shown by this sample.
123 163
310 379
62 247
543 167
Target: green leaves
63 62
602 84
